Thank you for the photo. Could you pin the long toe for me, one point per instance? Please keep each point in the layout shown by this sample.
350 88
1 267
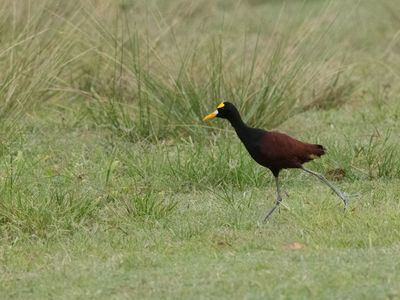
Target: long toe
269 213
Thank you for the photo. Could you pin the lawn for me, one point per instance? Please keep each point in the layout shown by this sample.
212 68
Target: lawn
113 188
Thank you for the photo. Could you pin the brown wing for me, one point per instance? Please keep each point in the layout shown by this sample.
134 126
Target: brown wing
282 151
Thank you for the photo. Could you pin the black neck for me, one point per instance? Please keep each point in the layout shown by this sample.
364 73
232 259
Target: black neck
236 121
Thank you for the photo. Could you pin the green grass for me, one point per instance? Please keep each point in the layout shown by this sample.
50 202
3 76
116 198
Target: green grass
111 186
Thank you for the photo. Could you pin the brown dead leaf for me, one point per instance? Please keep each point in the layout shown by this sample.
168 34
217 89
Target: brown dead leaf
294 246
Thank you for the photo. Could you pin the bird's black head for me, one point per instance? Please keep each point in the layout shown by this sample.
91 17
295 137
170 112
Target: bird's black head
225 110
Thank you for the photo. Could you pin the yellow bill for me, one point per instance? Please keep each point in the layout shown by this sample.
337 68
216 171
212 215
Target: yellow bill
211 116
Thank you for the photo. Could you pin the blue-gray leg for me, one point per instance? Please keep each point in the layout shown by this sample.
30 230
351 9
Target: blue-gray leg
335 189
278 200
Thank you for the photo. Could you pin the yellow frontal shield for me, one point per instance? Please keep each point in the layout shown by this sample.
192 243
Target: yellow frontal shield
215 113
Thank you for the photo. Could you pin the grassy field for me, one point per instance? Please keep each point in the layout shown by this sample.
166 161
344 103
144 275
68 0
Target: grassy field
112 187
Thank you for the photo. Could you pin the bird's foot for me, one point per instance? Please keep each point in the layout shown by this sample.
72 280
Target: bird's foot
345 198
269 213
276 205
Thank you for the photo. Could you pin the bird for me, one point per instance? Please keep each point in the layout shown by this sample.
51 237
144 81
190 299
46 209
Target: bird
274 150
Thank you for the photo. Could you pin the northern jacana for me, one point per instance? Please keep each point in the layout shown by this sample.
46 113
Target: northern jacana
273 150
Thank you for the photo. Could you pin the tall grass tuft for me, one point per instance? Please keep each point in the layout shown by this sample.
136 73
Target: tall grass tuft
34 49
158 82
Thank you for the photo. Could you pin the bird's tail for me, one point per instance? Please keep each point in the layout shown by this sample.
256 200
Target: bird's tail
317 150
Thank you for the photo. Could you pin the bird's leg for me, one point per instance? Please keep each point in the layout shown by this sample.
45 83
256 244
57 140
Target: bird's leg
335 189
278 199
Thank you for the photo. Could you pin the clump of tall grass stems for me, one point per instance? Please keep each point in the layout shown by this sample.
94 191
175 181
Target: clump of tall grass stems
149 83
143 80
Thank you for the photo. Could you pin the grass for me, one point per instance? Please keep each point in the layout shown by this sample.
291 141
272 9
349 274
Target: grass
112 187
